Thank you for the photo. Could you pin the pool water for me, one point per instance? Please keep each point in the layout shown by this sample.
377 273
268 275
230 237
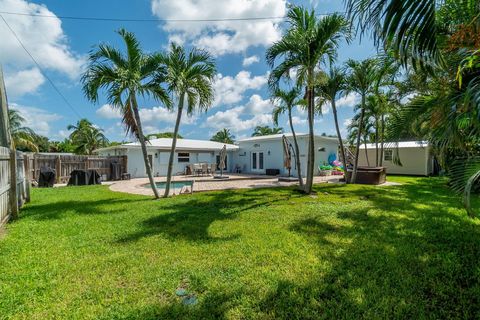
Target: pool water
174 184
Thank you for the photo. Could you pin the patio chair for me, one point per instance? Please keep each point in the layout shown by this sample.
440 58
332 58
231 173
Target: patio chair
197 169
204 168
213 168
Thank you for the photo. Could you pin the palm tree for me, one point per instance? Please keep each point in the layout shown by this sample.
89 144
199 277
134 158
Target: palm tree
22 137
334 85
285 101
362 80
266 131
86 137
308 42
224 136
190 78
124 76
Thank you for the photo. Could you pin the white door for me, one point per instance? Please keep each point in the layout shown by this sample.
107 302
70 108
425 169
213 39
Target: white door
257 162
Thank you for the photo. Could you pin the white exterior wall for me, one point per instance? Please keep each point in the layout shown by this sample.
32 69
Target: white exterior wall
136 163
273 154
415 161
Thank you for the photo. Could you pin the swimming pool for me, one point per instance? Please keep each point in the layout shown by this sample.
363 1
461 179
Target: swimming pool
173 185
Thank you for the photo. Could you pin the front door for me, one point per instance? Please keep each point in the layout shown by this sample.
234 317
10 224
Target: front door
257 162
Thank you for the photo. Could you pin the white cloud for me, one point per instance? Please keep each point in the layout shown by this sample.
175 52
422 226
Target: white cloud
222 37
347 122
23 81
350 100
106 111
297 121
230 90
39 120
153 117
250 60
256 112
45 40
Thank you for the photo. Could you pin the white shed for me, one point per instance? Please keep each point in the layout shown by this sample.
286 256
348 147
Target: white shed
416 157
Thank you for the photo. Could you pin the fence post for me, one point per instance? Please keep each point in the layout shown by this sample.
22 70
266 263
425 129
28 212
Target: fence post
58 168
13 202
26 167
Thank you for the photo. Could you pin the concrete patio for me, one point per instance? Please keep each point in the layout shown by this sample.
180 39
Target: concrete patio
208 183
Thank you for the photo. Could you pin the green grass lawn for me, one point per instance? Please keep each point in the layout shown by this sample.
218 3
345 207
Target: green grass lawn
351 252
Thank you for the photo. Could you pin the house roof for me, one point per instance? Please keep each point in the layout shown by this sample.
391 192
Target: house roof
401 144
288 135
182 144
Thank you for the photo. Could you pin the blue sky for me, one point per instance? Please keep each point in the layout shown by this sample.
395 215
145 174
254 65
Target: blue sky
60 46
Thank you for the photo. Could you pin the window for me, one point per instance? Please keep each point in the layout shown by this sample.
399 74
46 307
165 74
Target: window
183 157
388 155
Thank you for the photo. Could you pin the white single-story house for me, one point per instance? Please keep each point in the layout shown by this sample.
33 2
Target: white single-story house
416 157
258 154
251 155
187 152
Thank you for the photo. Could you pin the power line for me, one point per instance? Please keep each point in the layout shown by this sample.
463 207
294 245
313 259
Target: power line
40 68
153 20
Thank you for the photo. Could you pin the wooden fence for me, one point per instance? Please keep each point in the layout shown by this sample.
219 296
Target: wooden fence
65 164
12 197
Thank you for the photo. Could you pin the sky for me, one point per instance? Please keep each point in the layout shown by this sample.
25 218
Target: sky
60 46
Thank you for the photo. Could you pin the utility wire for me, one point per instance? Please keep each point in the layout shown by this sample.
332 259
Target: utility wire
153 20
41 69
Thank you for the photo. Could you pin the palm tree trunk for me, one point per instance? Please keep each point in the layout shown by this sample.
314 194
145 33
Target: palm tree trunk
382 137
376 141
359 135
174 145
339 135
141 139
366 151
311 141
297 150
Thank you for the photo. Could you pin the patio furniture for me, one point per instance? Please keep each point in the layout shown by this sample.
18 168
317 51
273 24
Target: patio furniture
238 169
197 169
47 177
205 168
212 168
126 176
84 178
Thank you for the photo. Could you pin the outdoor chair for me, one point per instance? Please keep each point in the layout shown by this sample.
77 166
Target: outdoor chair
213 168
197 169
204 168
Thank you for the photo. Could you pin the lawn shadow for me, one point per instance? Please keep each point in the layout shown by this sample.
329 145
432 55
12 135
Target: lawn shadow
190 219
413 259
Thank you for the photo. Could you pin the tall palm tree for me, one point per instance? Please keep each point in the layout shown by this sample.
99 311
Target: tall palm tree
22 137
308 42
284 102
362 80
224 136
87 137
334 85
189 76
124 76
266 131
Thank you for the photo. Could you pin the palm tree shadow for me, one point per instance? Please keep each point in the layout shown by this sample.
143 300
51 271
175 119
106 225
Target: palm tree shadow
191 219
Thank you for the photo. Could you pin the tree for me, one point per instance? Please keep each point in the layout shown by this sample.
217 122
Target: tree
334 85
362 79
308 42
23 137
284 102
123 77
444 36
86 137
163 135
266 131
224 136
189 76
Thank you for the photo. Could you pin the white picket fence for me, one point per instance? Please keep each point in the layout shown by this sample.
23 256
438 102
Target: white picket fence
22 183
